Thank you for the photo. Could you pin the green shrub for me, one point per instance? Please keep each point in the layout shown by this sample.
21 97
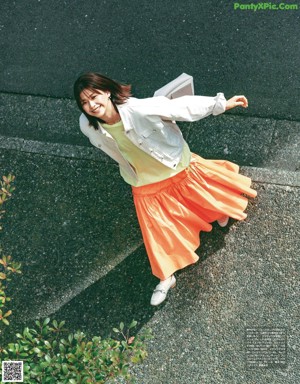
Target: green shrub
7 266
6 190
50 355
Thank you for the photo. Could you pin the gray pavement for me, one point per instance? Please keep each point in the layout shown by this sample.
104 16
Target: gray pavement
45 45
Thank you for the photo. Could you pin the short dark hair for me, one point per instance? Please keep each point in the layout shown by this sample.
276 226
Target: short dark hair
119 93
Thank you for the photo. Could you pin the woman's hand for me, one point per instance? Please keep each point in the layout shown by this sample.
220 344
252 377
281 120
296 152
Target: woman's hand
236 101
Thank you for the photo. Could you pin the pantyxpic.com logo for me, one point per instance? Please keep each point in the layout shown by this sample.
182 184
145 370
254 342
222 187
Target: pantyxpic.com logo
265 7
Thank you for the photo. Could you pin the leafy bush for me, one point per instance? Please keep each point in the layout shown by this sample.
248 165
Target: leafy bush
7 266
5 191
51 356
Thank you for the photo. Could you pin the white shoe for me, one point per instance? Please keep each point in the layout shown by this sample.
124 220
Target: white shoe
161 290
224 221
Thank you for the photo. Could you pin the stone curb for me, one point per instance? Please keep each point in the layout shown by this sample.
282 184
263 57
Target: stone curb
261 175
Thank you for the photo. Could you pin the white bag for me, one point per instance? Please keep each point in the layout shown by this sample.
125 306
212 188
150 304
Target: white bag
181 86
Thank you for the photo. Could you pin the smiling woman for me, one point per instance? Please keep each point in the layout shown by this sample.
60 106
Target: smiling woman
97 96
98 104
176 193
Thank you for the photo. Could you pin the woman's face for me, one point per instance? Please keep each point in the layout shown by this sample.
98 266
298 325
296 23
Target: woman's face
95 103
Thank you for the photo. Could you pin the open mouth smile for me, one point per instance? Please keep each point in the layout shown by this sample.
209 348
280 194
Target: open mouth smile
95 110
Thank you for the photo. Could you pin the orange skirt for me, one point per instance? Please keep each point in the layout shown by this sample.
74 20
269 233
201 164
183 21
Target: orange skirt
172 212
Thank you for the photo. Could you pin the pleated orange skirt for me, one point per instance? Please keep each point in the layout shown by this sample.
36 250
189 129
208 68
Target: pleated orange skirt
173 212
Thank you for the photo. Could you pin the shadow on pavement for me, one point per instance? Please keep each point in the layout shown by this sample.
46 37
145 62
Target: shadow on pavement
123 294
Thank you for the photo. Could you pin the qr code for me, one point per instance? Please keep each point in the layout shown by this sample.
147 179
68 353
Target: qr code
12 371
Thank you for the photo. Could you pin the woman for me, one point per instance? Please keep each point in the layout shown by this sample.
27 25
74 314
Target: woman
176 193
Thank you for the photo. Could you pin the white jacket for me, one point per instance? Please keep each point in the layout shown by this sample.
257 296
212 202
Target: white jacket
150 125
